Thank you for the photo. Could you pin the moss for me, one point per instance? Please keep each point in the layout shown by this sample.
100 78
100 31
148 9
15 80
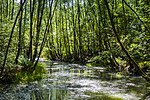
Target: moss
101 96
27 76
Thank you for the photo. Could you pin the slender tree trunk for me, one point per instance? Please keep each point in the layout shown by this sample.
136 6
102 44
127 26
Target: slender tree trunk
124 18
60 31
7 8
10 38
32 7
1 10
57 34
24 28
144 75
148 30
79 31
100 40
48 25
67 30
20 35
38 27
66 34
75 43
12 12
64 47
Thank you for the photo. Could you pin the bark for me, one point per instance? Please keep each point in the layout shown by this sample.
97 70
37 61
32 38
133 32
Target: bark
1 10
38 27
147 28
57 35
74 32
12 12
143 74
67 35
79 30
20 35
49 23
7 9
32 7
99 26
10 38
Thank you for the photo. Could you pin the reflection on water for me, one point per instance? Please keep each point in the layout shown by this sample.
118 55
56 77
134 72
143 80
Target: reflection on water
75 82
33 91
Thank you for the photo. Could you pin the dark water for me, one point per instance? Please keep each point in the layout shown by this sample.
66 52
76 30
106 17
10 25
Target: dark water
75 82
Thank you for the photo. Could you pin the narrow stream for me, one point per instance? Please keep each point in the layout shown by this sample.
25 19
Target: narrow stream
75 82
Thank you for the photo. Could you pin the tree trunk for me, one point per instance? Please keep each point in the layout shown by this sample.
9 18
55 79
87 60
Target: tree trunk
20 35
32 7
143 74
10 38
12 12
38 26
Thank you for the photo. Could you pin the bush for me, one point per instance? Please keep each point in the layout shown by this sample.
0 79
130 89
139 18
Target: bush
25 75
145 65
28 76
102 60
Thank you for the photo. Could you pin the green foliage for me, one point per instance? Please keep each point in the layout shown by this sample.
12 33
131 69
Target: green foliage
145 65
24 62
101 60
26 75
76 30
121 62
101 96
39 71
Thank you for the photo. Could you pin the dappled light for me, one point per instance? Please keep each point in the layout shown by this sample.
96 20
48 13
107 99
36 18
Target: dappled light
74 49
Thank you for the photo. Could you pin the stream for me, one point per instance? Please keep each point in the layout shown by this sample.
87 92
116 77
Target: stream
66 81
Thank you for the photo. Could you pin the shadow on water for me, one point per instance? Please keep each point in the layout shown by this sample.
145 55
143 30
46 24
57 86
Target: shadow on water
75 82
32 92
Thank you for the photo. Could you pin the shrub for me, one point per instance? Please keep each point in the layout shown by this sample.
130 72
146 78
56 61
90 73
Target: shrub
102 60
25 75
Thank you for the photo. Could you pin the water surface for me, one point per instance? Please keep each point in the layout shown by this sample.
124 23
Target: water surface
75 82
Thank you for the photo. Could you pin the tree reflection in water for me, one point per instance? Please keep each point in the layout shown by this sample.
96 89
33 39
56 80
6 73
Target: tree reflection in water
51 94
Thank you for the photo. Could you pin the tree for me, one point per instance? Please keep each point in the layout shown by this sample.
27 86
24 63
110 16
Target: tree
20 35
10 38
143 74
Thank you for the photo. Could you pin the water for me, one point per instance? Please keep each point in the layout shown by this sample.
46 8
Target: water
75 82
